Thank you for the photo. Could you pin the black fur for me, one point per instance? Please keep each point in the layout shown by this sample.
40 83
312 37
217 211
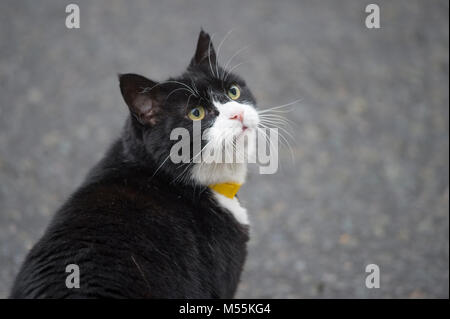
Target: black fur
134 229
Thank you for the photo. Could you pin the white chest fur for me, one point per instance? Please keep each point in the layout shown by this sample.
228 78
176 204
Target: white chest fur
232 204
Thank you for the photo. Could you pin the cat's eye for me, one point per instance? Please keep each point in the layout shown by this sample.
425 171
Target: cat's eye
197 113
234 92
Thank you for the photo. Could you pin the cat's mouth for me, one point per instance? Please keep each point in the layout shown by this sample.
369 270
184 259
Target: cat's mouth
244 130
239 132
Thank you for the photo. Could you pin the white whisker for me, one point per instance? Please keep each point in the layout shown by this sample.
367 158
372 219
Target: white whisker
219 47
187 87
233 68
209 55
278 107
231 59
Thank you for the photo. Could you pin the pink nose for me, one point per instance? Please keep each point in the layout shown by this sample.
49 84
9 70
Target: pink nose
239 116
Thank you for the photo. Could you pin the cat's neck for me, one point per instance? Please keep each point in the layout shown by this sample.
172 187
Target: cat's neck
213 173
202 174
133 149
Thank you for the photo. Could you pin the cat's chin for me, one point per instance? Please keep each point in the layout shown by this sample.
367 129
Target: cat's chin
214 173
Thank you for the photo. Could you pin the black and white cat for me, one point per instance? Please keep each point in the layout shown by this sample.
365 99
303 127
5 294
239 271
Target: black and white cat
142 226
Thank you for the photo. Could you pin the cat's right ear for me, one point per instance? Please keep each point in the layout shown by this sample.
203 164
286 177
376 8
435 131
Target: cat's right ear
205 52
141 96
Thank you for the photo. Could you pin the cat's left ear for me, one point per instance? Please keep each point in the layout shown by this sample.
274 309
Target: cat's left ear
142 97
205 52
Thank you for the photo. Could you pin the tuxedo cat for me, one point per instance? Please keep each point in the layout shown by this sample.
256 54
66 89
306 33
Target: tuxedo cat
143 226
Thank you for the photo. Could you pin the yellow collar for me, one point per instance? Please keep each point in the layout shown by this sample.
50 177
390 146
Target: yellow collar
226 189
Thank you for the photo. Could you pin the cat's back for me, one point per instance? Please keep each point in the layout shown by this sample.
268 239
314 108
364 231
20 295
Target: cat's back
134 237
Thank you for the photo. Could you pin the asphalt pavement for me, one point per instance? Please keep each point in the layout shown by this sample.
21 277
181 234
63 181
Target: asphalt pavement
368 178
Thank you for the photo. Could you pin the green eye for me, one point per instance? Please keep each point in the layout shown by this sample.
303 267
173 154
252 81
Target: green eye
234 92
197 113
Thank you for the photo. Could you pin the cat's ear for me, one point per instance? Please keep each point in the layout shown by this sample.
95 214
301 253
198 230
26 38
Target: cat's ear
205 52
141 96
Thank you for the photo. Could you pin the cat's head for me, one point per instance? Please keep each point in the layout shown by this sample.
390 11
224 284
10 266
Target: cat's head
206 96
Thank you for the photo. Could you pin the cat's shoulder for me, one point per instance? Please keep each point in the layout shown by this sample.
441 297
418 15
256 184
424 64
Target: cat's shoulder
233 206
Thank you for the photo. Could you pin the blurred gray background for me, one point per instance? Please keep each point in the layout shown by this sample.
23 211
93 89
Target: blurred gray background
370 180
